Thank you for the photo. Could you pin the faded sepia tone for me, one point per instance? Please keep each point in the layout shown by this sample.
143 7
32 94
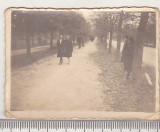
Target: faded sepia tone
82 63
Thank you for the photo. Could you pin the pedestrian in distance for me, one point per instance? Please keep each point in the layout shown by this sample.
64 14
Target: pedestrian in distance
83 42
68 48
127 55
60 49
79 41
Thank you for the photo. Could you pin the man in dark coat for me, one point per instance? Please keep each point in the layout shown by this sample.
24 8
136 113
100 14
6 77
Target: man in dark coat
127 55
68 48
61 49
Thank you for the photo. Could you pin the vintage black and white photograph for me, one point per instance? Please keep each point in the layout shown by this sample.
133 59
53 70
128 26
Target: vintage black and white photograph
82 63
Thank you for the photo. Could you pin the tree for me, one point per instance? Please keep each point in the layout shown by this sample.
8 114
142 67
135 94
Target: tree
74 23
119 32
29 30
53 24
127 25
151 30
17 27
101 27
112 19
138 47
29 23
105 24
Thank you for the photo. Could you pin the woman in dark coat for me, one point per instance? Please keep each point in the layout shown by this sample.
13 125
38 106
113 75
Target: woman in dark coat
127 55
68 48
61 49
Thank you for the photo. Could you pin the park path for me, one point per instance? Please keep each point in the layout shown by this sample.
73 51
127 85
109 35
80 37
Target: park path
46 85
94 81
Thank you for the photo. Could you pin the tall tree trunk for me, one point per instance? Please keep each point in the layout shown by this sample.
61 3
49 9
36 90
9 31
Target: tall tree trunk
44 38
106 43
73 39
39 39
138 47
32 39
51 41
105 40
119 32
28 45
101 38
110 40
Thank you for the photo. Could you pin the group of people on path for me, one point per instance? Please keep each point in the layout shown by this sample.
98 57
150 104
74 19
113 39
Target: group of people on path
80 41
65 47
127 55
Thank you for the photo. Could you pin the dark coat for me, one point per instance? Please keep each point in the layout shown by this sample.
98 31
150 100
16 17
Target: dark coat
60 48
68 48
127 55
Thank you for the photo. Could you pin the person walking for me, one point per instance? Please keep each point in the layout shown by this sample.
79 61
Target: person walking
82 41
68 48
79 41
61 49
127 55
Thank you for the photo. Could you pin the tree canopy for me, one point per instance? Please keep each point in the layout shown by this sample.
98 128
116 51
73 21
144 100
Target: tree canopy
31 22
